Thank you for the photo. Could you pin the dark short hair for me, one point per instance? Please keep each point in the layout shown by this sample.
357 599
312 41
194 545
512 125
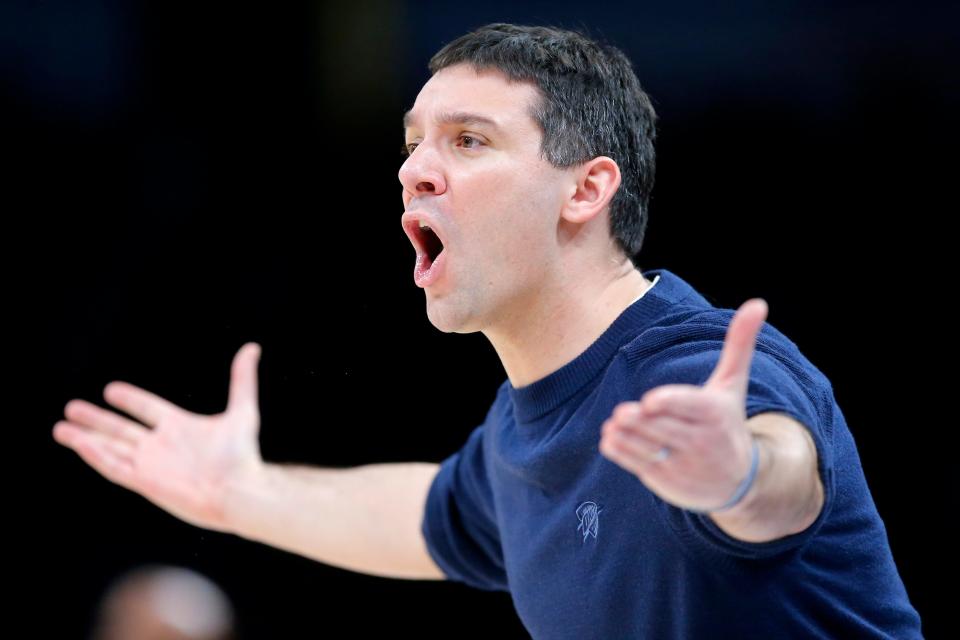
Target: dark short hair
591 105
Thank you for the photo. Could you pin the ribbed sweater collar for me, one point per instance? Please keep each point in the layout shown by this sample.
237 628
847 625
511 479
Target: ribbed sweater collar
539 398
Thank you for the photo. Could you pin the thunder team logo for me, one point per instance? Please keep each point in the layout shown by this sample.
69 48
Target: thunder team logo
588 513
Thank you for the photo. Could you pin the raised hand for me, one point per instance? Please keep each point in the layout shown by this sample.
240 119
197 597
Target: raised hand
180 461
691 444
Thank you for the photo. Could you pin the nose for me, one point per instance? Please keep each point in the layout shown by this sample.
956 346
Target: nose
421 173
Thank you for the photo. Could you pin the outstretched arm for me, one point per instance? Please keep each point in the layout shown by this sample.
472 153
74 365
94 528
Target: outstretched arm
366 519
711 444
207 470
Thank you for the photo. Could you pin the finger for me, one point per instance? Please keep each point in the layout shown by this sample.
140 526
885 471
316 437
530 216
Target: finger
110 457
688 402
733 369
243 380
639 447
619 451
139 403
685 401
614 450
665 430
93 417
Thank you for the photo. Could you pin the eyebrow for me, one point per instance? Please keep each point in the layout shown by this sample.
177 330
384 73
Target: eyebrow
455 117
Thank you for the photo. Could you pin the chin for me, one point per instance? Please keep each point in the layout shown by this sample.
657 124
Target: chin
449 317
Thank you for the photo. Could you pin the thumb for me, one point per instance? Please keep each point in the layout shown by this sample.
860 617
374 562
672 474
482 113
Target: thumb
243 380
733 369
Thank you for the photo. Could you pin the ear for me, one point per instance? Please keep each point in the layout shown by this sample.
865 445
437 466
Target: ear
596 182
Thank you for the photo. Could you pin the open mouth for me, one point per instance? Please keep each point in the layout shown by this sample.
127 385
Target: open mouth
430 243
430 249
425 240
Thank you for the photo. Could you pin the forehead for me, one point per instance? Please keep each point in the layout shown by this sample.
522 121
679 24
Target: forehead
461 93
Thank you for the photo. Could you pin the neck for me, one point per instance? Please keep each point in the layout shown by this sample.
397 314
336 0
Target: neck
564 318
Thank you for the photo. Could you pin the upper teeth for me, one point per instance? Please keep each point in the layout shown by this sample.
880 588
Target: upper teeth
424 225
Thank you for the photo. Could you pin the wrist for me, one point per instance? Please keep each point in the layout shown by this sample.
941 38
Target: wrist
745 510
747 485
241 493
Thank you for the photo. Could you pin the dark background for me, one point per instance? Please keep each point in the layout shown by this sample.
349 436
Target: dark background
187 178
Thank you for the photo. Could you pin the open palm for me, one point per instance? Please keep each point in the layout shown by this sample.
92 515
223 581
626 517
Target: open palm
180 461
703 427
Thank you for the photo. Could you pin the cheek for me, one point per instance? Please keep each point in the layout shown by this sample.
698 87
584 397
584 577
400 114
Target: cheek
518 247
508 223
534 217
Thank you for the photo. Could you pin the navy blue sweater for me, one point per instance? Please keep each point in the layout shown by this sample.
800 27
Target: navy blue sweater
529 505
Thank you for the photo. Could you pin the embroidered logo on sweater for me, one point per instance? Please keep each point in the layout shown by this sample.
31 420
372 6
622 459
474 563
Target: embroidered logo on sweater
588 513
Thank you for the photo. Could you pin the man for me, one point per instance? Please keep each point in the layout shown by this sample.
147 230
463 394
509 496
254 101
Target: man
651 467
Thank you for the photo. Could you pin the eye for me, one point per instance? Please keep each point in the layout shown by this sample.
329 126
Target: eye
408 148
468 139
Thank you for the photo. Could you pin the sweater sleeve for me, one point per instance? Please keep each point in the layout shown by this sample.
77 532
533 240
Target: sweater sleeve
459 523
782 380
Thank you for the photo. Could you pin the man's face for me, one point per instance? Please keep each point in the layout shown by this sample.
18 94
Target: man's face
476 178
